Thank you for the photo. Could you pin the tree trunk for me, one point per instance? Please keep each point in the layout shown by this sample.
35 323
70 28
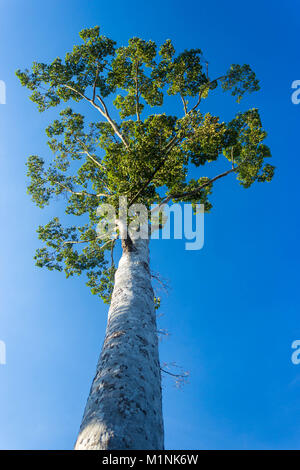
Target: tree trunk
124 409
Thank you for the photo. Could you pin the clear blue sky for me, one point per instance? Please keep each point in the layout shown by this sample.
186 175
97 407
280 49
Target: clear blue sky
233 307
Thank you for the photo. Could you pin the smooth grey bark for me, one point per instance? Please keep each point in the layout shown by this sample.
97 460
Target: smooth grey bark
124 407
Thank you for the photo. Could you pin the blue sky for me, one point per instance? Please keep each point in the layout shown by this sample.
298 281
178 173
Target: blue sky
233 307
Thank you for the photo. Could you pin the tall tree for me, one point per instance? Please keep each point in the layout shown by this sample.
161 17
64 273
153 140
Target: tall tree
127 151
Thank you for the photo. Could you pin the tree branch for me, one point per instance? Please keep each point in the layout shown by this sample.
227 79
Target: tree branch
76 193
201 93
175 140
137 94
115 127
94 86
193 192
74 242
184 104
71 242
103 111
155 171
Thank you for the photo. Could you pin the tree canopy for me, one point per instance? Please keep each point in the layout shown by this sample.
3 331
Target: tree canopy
129 151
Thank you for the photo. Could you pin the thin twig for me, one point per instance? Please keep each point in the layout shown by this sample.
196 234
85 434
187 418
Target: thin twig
86 151
184 375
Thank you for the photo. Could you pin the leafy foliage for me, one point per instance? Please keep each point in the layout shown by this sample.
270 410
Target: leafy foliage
139 154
